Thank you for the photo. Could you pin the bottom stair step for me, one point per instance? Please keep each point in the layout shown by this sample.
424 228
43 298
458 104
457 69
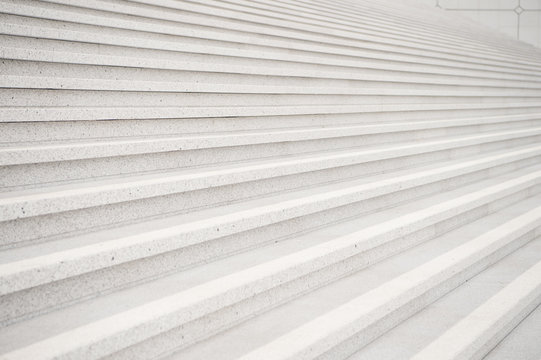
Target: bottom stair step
67 331
253 335
523 342
415 334
476 334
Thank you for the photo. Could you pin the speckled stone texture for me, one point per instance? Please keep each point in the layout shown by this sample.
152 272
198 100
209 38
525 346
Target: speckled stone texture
291 179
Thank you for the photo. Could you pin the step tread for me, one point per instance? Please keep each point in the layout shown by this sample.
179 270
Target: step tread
72 113
334 327
273 207
292 30
255 179
523 342
489 323
316 130
108 305
257 332
150 143
75 195
125 85
417 332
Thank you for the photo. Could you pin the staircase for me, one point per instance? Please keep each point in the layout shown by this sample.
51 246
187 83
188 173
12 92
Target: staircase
256 179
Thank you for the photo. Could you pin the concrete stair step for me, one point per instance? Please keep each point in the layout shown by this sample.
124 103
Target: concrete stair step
254 179
71 149
404 19
522 341
222 18
35 74
355 155
345 329
443 40
412 24
459 306
290 165
476 334
103 102
432 214
145 196
45 113
30 81
46 131
220 50
163 245
193 272
18 47
421 18
264 328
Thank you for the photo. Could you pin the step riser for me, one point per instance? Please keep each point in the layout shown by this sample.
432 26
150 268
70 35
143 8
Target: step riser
415 56
47 114
175 237
479 331
172 169
45 171
205 327
331 36
347 328
104 99
94 194
25 74
37 299
308 20
496 338
331 16
364 134
219 57
353 344
43 131
26 303
320 16
313 16
158 60
236 85
23 230
337 18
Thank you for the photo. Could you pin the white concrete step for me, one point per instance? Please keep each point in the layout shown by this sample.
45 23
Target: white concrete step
220 51
476 334
408 18
38 51
37 152
145 196
47 131
135 252
423 328
397 33
218 18
55 82
347 145
365 23
60 113
253 257
260 179
262 329
404 20
144 99
522 342
35 74
341 331
371 243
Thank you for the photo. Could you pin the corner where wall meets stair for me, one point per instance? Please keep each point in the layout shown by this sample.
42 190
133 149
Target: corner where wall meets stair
266 180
